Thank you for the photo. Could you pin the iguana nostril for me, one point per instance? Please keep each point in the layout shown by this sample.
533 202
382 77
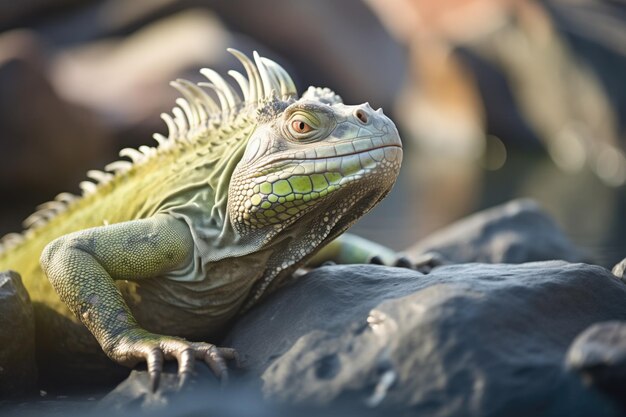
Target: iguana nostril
361 115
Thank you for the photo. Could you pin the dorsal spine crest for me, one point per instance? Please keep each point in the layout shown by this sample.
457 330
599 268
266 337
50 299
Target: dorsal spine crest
196 114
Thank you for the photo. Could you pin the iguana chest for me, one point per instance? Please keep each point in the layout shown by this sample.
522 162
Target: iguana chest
202 307
201 310
197 309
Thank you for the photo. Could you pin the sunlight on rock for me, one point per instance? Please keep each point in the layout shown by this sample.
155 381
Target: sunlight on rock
611 166
567 150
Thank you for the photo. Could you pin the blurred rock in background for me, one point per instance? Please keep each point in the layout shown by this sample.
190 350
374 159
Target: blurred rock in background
490 84
113 60
45 141
465 54
494 99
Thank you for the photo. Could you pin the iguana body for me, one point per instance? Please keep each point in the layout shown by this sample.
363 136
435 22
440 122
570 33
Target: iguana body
193 232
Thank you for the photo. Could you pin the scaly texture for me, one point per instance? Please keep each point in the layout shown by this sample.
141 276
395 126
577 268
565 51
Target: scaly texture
174 244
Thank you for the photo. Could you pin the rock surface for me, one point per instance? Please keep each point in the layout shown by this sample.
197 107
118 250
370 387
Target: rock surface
18 370
202 391
200 395
136 392
464 340
515 232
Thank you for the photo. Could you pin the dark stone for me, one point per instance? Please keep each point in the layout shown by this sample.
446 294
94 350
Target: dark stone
599 355
465 340
18 369
15 14
201 394
515 232
47 143
350 33
41 155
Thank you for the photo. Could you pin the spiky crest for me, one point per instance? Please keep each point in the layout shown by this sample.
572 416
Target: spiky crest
196 112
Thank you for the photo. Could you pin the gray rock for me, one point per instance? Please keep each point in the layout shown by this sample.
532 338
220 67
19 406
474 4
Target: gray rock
515 232
200 394
465 340
18 369
599 355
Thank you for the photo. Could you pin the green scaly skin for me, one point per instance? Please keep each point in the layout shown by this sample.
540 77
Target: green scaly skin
207 224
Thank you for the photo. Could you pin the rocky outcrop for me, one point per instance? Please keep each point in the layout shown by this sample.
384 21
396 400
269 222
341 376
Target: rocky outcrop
464 340
515 232
18 370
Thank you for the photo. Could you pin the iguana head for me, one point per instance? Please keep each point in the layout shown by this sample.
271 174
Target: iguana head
278 175
276 162
314 158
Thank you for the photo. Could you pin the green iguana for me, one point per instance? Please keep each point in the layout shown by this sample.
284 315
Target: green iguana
173 244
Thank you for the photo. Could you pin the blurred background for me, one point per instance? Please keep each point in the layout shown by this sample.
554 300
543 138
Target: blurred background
494 99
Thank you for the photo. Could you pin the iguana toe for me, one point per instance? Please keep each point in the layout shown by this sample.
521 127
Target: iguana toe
154 362
216 357
376 260
143 346
428 261
403 262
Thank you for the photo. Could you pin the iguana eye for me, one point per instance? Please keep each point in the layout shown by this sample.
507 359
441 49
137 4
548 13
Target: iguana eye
300 126
304 125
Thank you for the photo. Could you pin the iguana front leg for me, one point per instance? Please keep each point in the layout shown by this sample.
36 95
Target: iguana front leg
352 249
82 267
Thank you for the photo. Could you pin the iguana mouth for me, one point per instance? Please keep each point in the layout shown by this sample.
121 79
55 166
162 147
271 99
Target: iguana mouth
340 155
303 158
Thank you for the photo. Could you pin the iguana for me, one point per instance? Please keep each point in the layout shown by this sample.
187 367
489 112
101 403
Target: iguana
176 242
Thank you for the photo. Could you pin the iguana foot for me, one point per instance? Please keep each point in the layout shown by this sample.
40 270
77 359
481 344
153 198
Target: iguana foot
428 261
138 345
424 263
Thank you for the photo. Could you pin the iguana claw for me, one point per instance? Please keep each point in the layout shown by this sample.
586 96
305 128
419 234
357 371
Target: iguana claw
139 345
404 262
376 260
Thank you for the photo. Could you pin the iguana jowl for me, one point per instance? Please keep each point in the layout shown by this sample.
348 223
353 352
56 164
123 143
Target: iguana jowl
174 244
